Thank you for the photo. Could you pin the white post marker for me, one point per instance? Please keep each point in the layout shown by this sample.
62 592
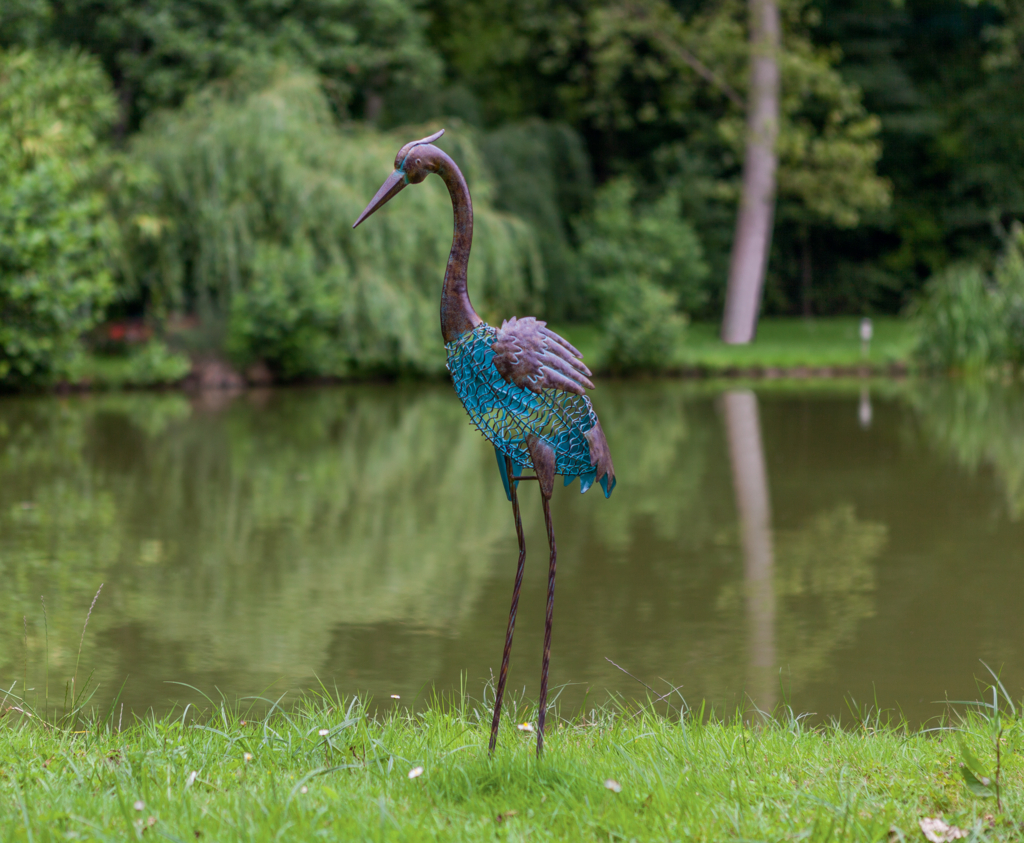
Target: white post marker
867 330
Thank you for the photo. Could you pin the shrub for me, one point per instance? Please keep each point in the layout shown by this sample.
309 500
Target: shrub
643 267
150 364
247 220
56 235
641 325
624 241
960 321
1009 278
970 321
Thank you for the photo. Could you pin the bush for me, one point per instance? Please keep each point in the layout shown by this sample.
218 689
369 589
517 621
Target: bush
1009 277
151 364
247 220
623 241
55 233
641 326
960 324
970 321
644 266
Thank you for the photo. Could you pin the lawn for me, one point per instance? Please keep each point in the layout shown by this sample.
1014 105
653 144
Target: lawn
325 769
785 345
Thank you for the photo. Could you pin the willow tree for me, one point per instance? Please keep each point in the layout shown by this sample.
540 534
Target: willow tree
242 216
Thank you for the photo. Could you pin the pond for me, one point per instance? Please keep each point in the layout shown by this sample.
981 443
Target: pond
827 546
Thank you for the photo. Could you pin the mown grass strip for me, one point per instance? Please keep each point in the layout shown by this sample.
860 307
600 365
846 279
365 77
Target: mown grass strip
784 346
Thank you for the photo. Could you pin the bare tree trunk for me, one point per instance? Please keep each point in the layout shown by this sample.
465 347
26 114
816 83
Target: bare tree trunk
757 203
750 484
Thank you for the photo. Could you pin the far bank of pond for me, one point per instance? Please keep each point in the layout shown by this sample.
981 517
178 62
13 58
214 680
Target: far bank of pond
358 535
784 348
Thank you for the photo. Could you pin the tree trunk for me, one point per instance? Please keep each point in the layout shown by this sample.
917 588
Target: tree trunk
757 203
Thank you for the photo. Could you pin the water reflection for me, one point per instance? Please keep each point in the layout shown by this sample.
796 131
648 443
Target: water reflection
359 535
981 425
750 482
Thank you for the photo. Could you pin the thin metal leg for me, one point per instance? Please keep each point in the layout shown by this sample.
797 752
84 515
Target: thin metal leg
512 612
547 628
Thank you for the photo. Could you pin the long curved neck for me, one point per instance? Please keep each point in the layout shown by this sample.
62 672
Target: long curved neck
457 314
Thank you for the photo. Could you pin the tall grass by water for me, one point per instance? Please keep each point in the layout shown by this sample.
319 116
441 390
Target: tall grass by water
326 768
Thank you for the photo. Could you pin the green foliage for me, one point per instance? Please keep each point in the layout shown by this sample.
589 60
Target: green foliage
24 22
246 219
641 325
643 263
152 364
959 317
55 232
1009 279
161 52
541 174
970 321
624 239
657 93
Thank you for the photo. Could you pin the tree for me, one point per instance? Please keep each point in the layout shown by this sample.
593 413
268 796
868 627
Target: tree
161 51
757 200
246 221
661 96
56 236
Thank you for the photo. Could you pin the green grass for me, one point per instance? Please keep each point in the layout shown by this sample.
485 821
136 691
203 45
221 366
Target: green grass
785 344
325 769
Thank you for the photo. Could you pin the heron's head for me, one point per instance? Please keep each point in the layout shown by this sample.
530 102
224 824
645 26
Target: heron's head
414 162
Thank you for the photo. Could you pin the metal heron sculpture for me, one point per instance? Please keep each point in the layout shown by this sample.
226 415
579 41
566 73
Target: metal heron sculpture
522 385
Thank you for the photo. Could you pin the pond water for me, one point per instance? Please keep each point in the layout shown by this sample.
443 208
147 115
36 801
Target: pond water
805 545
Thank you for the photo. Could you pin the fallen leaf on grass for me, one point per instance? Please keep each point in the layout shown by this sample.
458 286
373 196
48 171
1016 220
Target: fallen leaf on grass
502 817
613 785
938 830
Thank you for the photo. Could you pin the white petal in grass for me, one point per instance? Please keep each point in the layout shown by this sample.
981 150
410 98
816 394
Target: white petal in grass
303 789
525 727
395 697
247 756
139 805
324 732
415 772
938 830
613 785
192 778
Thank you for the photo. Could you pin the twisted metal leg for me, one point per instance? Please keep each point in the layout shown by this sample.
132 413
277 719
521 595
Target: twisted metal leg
512 612
547 627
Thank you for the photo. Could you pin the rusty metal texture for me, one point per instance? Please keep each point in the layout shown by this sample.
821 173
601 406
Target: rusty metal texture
503 675
523 387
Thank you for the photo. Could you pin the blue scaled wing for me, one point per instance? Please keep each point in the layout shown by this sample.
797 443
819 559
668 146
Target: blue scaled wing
524 379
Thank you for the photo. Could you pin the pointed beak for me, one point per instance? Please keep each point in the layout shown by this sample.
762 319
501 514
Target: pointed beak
395 182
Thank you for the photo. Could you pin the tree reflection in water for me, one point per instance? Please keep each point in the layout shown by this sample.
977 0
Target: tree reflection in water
750 482
357 534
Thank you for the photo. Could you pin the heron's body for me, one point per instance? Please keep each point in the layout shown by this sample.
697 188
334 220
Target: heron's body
508 414
521 384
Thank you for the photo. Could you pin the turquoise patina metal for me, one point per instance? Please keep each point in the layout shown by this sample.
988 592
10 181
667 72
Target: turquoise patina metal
506 413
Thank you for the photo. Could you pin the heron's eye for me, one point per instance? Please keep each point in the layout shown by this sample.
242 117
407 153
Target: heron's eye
417 160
